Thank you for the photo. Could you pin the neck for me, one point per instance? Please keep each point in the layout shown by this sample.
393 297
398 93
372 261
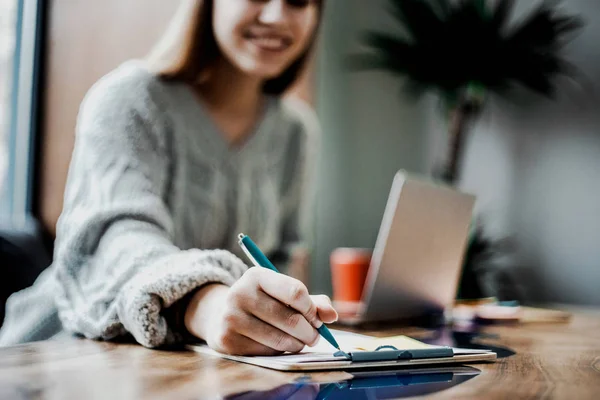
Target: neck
230 91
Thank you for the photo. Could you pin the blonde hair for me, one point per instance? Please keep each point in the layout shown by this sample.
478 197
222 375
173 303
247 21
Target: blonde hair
188 47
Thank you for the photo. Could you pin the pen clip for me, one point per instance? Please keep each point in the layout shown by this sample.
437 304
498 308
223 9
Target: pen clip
241 237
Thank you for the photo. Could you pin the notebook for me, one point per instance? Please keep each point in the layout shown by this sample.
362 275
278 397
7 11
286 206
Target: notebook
364 352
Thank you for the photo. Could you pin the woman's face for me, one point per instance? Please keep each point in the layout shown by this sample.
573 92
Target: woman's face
264 37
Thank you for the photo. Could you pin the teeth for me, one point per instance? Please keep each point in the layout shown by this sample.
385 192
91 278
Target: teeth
270 43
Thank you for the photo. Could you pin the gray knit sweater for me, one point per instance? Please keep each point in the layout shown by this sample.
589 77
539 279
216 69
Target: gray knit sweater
154 200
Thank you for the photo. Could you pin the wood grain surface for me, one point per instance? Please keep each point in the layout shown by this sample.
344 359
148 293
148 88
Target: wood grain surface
551 360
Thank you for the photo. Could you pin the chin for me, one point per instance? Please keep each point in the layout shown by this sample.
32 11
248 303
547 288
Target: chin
265 72
265 65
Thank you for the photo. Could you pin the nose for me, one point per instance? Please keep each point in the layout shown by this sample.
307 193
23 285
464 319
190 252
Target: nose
272 12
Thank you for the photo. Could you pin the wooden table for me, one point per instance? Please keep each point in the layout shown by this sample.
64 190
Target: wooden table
552 360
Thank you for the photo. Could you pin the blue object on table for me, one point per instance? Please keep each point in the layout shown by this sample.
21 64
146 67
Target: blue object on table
367 387
260 260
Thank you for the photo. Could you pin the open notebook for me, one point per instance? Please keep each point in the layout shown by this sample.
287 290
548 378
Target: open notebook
362 348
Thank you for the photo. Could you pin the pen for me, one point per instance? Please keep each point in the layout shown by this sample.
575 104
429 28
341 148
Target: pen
260 260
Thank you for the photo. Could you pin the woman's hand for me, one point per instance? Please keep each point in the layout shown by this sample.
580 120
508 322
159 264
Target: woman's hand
263 313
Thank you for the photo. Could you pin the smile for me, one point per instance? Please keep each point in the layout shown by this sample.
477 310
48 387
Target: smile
269 42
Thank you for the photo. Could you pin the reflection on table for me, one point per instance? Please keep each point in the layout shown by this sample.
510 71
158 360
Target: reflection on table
371 385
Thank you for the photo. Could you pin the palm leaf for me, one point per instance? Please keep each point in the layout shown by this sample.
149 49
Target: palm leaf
502 12
449 44
418 17
442 7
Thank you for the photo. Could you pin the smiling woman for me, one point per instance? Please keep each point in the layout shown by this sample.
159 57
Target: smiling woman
265 48
174 156
202 31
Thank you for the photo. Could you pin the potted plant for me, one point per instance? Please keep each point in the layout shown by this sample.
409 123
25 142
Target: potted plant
465 51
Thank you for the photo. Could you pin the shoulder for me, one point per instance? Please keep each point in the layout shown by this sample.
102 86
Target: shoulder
298 113
128 87
302 120
127 105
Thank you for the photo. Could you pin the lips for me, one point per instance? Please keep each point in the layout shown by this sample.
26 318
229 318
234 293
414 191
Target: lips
269 42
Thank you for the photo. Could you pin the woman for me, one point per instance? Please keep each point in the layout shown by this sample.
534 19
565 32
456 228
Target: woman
173 157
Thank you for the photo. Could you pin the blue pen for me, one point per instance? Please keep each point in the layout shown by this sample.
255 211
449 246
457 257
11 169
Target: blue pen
260 260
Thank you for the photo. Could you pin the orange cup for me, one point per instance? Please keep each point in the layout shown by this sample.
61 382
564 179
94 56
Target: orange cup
349 268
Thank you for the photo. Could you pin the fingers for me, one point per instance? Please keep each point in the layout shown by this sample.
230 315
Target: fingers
288 291
248 325
236 344
325 310
284 318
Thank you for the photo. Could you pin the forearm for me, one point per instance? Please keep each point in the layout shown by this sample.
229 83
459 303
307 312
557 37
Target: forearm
134 275
203 306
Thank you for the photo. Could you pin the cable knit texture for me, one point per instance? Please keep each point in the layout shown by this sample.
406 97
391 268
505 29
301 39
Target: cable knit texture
154 200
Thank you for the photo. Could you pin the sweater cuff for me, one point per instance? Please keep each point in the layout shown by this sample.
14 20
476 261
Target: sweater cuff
175 317
143 299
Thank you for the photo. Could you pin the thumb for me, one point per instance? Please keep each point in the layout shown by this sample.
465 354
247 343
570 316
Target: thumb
325 310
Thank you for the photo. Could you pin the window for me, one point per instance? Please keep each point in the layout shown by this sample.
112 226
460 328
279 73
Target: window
8 36
20 45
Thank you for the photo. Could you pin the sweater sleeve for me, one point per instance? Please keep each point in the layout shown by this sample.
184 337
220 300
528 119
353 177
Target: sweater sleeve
116 265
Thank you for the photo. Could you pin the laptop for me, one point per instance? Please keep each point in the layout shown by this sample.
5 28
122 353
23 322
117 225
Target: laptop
418 255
